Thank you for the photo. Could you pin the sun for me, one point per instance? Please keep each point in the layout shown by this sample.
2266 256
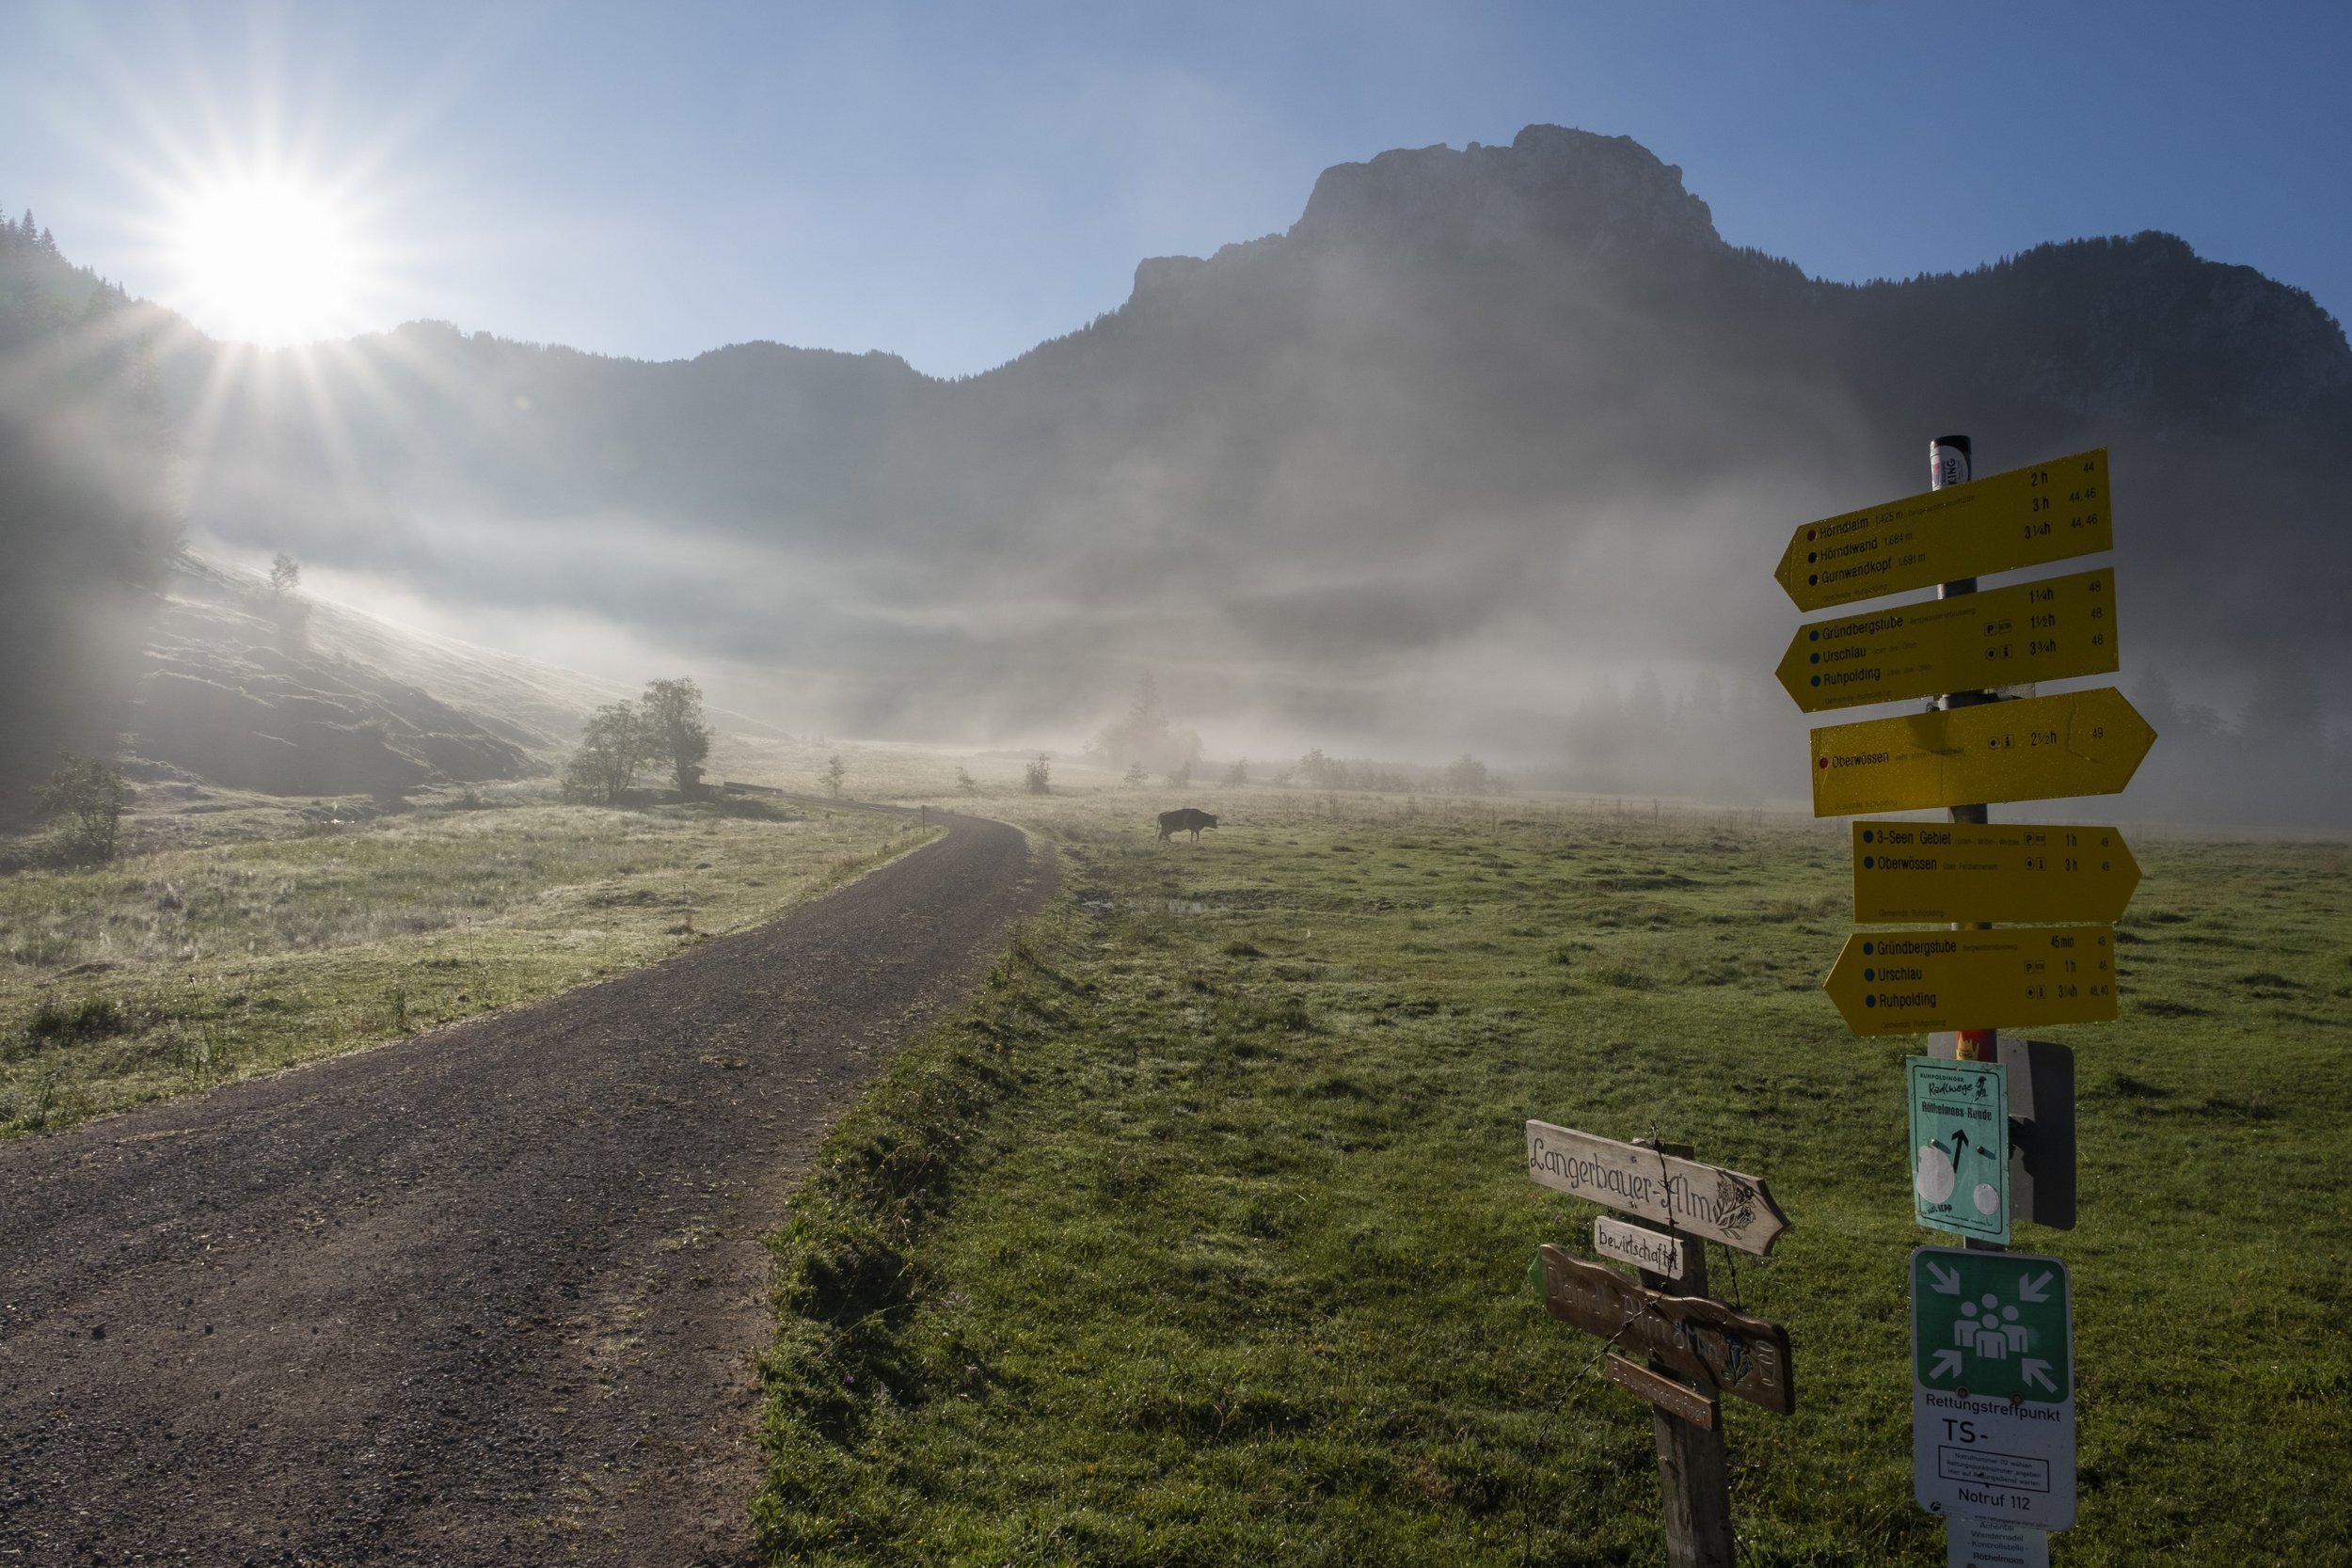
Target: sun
266 259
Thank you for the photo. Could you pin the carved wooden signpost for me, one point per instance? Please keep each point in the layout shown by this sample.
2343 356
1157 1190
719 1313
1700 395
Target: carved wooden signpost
1683 1195
1651 1251
1696 1348
1697 1338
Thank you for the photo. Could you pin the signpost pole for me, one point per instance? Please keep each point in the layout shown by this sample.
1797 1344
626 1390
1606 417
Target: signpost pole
1951 460
1693 1474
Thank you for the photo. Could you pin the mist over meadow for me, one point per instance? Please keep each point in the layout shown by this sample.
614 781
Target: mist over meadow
1492 452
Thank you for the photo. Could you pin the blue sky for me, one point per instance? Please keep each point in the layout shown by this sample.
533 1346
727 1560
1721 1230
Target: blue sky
954 182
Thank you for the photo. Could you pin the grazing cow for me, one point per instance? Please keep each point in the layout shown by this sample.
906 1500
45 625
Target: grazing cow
1172 822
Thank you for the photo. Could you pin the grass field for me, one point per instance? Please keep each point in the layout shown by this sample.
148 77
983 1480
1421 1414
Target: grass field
243 934
1203 1238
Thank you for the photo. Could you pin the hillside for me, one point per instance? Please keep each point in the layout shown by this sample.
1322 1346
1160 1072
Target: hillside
288 697
86 523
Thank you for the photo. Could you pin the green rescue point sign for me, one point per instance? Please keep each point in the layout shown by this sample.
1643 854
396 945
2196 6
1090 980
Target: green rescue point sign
1992 1387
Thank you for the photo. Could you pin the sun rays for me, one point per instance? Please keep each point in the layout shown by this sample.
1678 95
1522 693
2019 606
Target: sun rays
266 258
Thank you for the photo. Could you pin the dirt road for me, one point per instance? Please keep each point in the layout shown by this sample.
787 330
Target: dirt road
492 1295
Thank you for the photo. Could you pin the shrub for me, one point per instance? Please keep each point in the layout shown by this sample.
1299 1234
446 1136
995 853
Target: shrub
90 794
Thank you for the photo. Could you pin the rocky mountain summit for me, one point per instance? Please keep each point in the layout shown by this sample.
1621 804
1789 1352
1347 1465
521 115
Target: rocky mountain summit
1562 188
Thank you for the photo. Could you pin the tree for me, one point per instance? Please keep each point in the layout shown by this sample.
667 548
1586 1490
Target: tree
1038 778
1136 776
1238 774
618 740
673 709
1146 735
1469 776
92 793
834 775
965 783
286 606
1181 775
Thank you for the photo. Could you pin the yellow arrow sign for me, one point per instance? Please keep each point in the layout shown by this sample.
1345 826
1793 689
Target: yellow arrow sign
1910 982
2010 872
2040 748
2036 631
2051 512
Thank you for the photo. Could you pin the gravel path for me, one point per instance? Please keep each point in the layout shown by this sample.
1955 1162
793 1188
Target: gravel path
490 1296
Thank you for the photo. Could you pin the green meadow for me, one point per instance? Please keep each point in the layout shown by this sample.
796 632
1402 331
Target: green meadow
242 934
1203 1236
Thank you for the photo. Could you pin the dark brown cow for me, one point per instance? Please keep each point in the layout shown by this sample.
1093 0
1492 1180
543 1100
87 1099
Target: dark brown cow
1174 822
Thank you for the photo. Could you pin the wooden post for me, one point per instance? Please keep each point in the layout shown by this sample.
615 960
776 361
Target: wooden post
1693 1475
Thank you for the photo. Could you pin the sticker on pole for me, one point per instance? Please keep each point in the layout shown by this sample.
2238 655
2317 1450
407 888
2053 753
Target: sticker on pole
1993 1543
1960 1146
1992 1387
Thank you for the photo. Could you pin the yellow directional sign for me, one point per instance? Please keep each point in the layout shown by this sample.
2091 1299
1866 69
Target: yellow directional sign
2007 872
1910 982
2051 512
2036 748
2036 631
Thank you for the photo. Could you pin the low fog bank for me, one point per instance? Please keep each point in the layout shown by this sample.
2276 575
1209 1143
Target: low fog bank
1492 452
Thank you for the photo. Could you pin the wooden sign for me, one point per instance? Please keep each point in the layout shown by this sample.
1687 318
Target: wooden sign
2026 517
2037 749
2037 631
1702 1341
1910 982
1704 1201
1653 1250
1702 1410
2006 873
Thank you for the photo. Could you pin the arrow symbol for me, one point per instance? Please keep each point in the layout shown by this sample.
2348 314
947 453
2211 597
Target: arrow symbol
2031 1290
1946 1282
1949 1361
2035 1372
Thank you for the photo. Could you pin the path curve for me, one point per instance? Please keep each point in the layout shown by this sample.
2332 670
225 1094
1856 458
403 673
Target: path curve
489 1295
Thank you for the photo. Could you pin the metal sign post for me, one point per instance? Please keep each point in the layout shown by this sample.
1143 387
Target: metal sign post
1992 1119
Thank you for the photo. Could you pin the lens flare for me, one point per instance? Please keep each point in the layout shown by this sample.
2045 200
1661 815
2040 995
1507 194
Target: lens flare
266 259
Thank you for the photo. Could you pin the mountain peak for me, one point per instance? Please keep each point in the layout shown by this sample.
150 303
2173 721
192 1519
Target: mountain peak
1551 184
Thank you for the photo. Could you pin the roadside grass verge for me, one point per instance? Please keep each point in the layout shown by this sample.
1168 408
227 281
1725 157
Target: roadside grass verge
179 968
1203 1236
